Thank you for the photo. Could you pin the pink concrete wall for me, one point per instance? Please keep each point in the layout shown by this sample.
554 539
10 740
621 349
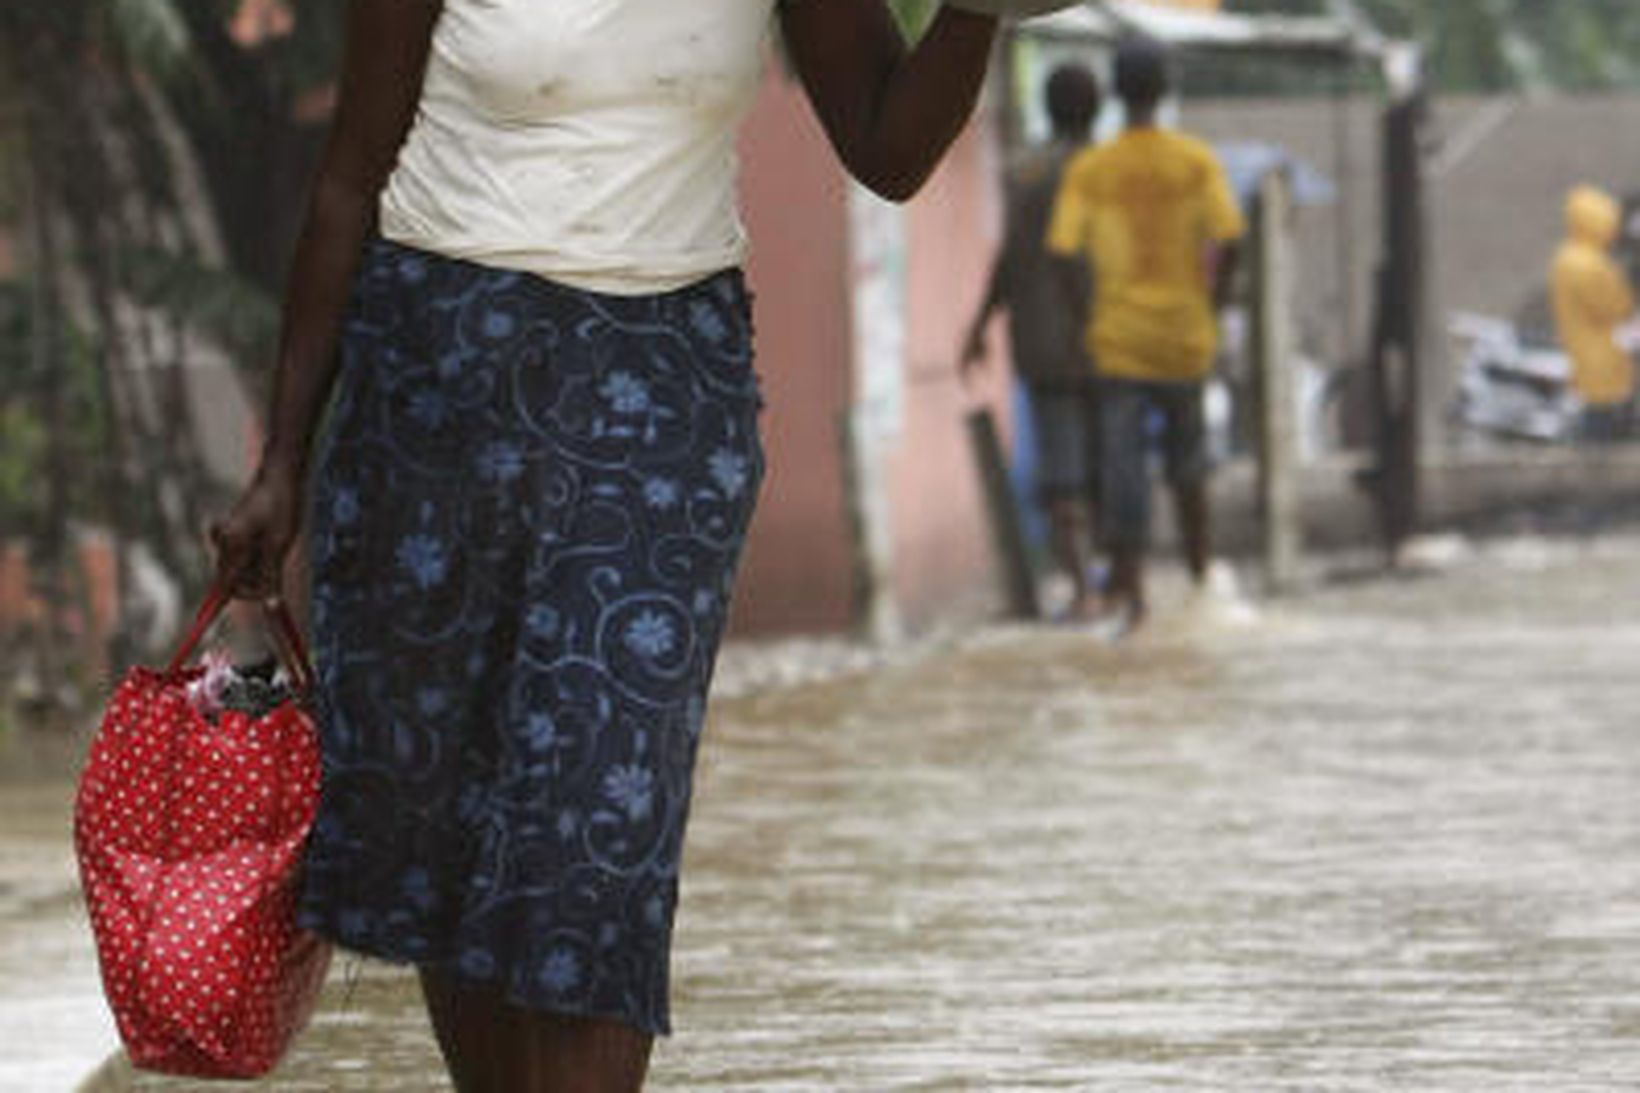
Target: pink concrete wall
943 547
798 574
798 571
96 590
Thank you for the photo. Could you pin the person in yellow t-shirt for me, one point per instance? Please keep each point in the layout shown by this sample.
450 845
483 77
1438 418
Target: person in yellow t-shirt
1154 212
1592 299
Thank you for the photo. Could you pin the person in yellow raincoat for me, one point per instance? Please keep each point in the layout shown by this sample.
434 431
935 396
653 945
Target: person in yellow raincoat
1592 300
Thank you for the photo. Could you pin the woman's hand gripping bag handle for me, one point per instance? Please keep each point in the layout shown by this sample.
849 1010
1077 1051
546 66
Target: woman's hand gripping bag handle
190 832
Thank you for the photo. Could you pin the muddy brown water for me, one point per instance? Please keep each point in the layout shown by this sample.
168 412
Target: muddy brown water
1383 837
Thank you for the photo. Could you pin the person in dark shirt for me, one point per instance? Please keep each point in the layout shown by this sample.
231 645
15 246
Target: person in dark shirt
1046 337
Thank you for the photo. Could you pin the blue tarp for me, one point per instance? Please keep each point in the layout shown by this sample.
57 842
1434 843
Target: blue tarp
1247 162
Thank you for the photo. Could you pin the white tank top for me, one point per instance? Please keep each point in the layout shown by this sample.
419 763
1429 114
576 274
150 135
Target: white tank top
591 142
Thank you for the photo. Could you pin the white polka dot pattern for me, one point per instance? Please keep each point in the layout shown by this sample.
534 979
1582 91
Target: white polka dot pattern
190 835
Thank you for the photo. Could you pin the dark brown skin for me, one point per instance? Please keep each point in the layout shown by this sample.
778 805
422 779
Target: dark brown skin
489 1045
388 44
891 113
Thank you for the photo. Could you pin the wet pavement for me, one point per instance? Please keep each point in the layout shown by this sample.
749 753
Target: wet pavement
52 1021
1381 837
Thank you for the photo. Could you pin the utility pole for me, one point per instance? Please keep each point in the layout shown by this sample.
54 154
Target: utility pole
1400 332
1279 495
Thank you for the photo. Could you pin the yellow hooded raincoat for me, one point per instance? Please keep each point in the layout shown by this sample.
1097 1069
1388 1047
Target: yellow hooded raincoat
1592 299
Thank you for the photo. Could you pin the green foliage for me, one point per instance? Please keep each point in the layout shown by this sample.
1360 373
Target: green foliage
93 146
240 118
311 56
236 314
23 443
24 436
153 33
1504 45
914 15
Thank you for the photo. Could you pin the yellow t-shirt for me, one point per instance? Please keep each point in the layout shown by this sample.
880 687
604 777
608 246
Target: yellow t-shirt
1145 208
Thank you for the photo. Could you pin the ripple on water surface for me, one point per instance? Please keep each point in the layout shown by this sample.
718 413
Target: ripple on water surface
1382 838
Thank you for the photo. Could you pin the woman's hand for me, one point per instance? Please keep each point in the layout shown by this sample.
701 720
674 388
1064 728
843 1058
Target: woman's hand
252 541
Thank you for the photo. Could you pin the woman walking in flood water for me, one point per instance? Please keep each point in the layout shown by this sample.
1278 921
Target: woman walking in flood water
519 274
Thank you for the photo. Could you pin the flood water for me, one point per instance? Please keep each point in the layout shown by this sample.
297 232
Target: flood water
1386 836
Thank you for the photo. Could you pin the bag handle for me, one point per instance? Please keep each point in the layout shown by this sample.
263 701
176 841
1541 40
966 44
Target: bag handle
288 641
287 637
216 602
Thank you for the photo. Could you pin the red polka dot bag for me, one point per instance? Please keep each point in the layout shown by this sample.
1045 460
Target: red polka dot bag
189 826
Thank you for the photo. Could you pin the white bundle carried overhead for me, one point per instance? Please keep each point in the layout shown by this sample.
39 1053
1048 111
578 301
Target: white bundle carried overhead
1014 9
1109 20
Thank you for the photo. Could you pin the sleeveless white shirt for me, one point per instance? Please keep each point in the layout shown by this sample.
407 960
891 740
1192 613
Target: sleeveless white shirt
591 142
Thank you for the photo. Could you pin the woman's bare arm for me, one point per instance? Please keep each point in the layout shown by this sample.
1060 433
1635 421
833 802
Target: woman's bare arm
891 113
388 45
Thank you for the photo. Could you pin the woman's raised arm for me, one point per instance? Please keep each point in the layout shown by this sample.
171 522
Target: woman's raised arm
891 113
388 45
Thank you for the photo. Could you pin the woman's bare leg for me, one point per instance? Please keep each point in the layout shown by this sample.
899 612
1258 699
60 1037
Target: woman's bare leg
493 1046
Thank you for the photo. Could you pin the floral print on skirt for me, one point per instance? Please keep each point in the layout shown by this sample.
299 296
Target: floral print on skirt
528 511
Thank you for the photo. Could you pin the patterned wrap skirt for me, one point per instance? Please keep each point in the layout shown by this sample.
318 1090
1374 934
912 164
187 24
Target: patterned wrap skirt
529 505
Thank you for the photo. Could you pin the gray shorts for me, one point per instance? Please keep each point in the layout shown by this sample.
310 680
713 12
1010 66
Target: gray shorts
1603 426
1067 439
1130 411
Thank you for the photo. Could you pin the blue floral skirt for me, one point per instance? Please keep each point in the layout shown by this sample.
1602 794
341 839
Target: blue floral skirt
528 510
